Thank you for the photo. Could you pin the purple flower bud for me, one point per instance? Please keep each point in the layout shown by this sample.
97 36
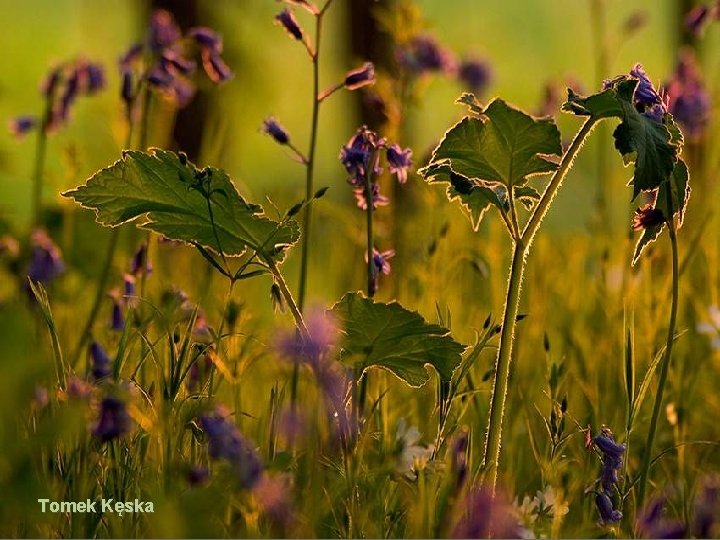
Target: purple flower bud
226 442
140 264
286 19
100 362
127 90
378 199
362 76
131 57
163 30
399 161
46 261
90 77
78 388
381 265
424 55
216 68
117 319
22 125
160 77
275 130
645 94
646 217
356 155
697 19
207 39
181 91
688 100
172 60
114 420
475 74
605 508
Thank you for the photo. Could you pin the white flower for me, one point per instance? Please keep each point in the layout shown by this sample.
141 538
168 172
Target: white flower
410 454
712 328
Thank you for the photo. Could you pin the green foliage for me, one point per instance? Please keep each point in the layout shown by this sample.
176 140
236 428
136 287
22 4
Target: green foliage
397 339
165 193
483 157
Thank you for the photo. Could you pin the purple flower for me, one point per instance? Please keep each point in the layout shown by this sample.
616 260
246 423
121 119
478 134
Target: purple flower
131 57
100 362
697 19
612 453
323 332
275 130
378 199
645 93
207 39
399 161
22 125
605 508
688 100
46 261
362 76
216 68
90 76
173 61
647 217
140 264
424 55
652 522
475 74
486 516
117 319
357 154
286 19
114 420
78 388
129 291
163 30
226 442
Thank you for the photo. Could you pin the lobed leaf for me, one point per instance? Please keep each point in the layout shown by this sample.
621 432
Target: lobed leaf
163 192
392 337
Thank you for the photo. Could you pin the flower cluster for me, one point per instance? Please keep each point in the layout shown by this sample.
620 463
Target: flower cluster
612 459
226 442
62 86
172 60
688 100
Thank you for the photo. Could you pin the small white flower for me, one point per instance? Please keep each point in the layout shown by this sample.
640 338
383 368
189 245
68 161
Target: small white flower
712 328
410 453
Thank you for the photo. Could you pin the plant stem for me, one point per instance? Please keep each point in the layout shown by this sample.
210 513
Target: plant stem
664 367
512 300
310 169
370 240
289 300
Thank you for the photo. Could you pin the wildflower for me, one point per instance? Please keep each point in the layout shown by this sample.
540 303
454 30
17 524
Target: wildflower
399 161
215 68
173 61
164 31
356 155
688 100
697 19
117 319
424 55
275 130
77 388
207 39
645 94
410 453
114 420
381 264
286 19
131 57
652 523
22 125
46 261
226 442
647 217
362 76
486 516
712 328
475 74
605 508
129 290
377 198
274 497
90 77
197 475
140 263
100 362
40 398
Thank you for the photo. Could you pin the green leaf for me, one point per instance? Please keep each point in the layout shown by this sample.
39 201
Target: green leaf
648 236
390 336
651 145
165 193
474 106
503 146
475 197
527 195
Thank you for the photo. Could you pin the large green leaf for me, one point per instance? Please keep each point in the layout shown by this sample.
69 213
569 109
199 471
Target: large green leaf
394 338
652 145
165 193
503 145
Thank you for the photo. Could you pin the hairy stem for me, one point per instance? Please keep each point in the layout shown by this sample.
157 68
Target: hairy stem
512 300
288 297
664 367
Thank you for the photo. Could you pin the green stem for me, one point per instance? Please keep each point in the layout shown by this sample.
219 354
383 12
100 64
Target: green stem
664 367
310 169
370 239
512 300
289 300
